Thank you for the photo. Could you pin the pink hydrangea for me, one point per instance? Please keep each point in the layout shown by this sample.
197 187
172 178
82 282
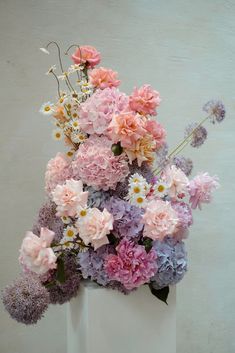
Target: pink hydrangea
160 220
86 54
176 180
145 100
132 266
35 252
94 226
97 111
69 198
96 165
103 78
157 131
201 188
127 128
57 172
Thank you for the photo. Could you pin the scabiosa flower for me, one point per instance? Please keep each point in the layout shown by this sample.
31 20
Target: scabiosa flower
171 262
98 110
96 165
127 218
91 264
198 136
216 109
185 164
132 266
26 299
145 100
201 188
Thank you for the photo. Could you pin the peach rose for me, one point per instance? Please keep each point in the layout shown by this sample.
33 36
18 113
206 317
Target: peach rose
86 55
103 78
145 100
157 131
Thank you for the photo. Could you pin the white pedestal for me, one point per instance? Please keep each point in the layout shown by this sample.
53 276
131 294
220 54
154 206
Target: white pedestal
106 321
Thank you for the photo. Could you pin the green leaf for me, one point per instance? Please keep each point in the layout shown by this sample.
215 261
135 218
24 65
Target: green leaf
117 149
60 273
147 242
161 294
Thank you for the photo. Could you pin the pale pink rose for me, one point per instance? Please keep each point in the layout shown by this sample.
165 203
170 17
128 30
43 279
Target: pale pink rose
86 54
35 252
176 180
69 198
126 128
145 100
157 131
57 172
94 227
103 78
160 220
201 188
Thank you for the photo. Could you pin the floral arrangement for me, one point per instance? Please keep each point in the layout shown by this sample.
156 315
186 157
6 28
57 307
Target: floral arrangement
118 205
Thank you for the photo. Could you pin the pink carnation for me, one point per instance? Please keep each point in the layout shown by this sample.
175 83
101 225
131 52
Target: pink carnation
127 128
145 100
96 165
200 189
35 252
176 180
132 266
157 131
57 172
160 220
94 227
97 111
69 198
103 78
86 55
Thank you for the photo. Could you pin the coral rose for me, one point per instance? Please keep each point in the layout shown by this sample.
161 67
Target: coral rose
157 131
103 78
86 54
145 100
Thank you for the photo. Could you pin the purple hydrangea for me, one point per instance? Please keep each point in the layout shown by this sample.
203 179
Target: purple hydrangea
171 262
199 134
127 218
216 109
185 164
26 299
96 197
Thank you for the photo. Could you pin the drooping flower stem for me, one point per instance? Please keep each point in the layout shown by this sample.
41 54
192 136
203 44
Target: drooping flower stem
58 83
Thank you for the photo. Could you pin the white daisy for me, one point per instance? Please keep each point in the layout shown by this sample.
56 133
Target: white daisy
160 189
57 134
70 153
66 243
65 219
138 200
47 108
70 233
77 136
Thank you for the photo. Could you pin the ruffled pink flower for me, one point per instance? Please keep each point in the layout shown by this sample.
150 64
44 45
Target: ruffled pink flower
86 54
157 131
184 214
145 100
35 252
69 198
176 180
201 188
126 128
57 172
97 111
132 266
96 165
160 220
94 227
103 78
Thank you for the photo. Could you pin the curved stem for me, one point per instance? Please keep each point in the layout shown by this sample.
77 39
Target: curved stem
58 83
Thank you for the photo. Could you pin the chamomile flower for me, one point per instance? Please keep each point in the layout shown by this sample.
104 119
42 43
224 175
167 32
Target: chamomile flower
82 212
74 123
138 200
57 134
47 108
137 178
70 233
65 219
66 243
160 189
74 68
78 136
70 153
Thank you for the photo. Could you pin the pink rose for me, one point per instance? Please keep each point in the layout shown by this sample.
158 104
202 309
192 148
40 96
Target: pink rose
145 100
94 227
201 188
176 180
103 78
157 131
86 55
35 252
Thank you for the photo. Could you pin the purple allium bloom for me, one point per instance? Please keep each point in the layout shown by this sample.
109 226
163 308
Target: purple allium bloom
26 299
96 197
61 293
91 264
127 218
199 135
216 109
185 164
47 218
171 262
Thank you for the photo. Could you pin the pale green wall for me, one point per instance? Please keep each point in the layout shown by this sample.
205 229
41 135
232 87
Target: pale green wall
183 48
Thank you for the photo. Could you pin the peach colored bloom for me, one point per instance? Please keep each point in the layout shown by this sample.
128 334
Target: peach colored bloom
145 100
69 198
160 220
176 180
94 227
142 150
103 78
157 131
35 252
86 54
126 128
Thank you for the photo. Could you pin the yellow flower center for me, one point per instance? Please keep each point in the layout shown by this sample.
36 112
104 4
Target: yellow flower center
69 153
83 213
136 189
140 199
57 135
160 188
47 108
70 233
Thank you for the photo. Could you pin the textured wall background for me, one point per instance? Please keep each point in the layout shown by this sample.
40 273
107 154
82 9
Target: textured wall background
183 48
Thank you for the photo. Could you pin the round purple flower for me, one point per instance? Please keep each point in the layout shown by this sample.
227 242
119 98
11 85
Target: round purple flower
198 136
185 164
216 109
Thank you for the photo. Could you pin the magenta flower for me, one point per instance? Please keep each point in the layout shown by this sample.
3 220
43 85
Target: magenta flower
200 189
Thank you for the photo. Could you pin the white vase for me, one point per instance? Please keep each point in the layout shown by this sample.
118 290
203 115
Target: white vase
101 320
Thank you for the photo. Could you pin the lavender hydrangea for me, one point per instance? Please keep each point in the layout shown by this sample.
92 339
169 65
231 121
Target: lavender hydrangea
26 299
185 164
96 197
91 264
171 262
216 109
127 218
198 136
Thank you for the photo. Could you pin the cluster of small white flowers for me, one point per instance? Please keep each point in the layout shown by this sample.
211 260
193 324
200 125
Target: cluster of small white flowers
138 190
